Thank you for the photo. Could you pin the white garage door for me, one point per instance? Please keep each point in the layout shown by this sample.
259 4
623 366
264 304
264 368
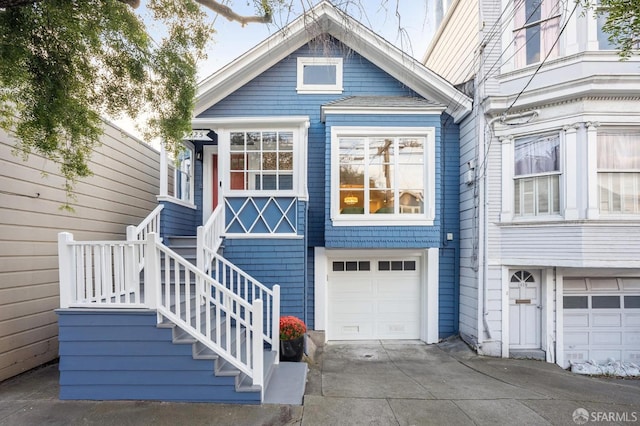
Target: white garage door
602 319
374 299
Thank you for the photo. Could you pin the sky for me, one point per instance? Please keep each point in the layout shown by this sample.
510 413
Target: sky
384 17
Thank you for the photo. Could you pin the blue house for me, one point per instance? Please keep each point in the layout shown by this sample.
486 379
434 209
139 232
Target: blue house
321 180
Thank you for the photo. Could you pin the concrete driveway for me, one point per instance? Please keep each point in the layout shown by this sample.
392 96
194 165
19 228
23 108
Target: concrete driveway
408 383
366 383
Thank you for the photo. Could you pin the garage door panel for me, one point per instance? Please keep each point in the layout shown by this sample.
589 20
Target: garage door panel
602 355
576 338
576 320
610 337
356 286
632 320
632 339
607 320
601 320
374 304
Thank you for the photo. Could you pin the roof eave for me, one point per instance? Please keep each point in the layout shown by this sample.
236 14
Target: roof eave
327 18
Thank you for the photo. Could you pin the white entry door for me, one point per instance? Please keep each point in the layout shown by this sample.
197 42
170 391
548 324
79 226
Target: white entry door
524 310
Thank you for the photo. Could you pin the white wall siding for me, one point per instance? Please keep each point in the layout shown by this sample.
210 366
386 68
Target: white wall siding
452 53
121 192
468 235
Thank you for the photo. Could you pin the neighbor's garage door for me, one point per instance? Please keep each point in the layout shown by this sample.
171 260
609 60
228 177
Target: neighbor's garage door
602 319
374 299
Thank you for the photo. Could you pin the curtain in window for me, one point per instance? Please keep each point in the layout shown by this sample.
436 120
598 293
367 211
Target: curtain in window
537 155
619 149
533 43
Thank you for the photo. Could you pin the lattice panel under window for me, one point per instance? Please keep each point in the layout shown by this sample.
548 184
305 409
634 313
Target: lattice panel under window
261 215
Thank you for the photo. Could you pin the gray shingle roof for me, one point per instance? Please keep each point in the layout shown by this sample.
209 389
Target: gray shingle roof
383 102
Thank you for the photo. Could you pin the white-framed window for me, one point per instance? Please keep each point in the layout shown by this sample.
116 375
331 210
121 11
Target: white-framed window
184 173
382 175
261 160
536 175
536 29
319 75
262 156
602 15
619 171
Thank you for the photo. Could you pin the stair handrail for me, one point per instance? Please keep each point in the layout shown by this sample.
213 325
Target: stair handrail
209 238
248 317
149 224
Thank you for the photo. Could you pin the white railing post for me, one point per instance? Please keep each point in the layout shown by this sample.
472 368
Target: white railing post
200 260
275 322
152 271
131 233
257 344
66 268
164 171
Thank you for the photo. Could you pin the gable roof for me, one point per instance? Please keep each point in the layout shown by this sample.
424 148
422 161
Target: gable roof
321 19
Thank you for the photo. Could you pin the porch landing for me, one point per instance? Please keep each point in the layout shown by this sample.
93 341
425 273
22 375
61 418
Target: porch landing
287 383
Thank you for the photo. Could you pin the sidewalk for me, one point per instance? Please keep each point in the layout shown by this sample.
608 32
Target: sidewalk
365 383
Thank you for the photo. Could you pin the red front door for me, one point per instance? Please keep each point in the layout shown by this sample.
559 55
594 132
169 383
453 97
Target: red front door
215 183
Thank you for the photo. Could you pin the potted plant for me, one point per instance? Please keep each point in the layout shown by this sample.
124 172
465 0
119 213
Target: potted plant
292 330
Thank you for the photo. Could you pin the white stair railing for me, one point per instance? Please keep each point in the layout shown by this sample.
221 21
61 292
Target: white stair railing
105 274
209 239
149 224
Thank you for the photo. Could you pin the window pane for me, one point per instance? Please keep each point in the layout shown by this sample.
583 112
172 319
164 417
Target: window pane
351 176
286 182
352 202
319 74
269 160
381 202
411 150
603 38
352 266
269 141
605 302
285 141
538 154
237 181
632 302
411 176
575 302
237 141
409 265
619 150
533 44
253 141
396 265
411 201
285 161
364 266
384 265
338 266
533 10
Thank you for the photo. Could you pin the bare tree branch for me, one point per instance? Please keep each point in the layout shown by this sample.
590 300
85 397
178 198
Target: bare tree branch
228 13
12 3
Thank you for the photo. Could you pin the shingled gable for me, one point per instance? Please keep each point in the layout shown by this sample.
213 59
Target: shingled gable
326 18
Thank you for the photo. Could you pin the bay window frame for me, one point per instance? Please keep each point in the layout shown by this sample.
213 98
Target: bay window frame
390 219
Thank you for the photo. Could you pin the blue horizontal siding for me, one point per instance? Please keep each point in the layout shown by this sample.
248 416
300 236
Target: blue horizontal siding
124 356
273 261
178 220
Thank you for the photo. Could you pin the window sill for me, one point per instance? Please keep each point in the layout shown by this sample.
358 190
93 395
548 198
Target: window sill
173 200
370 221
328 91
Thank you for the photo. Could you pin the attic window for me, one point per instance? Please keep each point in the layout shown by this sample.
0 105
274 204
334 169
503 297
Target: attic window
319 75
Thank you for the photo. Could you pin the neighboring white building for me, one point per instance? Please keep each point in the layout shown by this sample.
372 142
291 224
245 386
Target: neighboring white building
550 180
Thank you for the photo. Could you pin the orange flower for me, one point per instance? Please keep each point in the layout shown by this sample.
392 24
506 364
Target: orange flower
291 328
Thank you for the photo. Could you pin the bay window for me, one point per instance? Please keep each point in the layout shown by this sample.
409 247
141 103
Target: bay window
536 28
261 160
619 171
537 175
382 174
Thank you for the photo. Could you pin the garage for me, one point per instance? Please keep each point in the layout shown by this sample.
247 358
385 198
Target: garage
601 319
374 298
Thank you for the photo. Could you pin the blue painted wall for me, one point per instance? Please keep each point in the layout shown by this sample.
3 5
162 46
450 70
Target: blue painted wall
276 261
176 219
107 355
276 88
273 93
